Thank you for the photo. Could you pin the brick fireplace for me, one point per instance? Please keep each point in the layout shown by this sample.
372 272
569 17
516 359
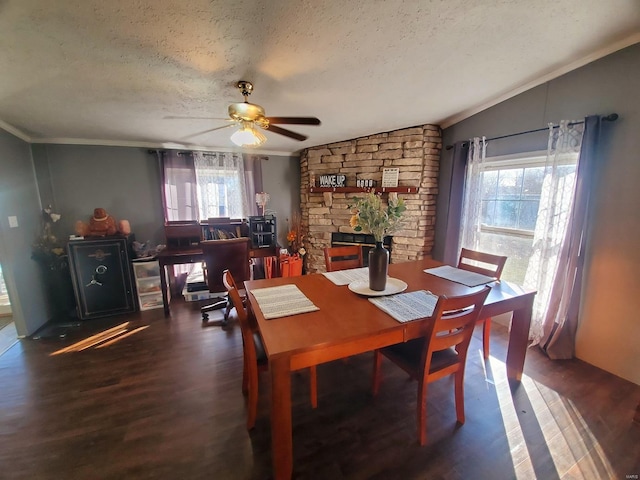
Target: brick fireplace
415 151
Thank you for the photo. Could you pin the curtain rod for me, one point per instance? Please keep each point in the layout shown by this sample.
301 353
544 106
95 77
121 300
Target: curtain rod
182 152
612 117
204 154
153 152
188 152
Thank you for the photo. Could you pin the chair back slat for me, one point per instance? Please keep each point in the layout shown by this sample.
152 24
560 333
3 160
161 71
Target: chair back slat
454 320
342 258
481 262
448 340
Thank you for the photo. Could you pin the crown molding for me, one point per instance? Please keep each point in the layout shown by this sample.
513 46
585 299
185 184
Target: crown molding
133 144
14 131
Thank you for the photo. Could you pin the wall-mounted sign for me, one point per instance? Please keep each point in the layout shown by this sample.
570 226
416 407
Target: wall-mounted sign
390 177
333 180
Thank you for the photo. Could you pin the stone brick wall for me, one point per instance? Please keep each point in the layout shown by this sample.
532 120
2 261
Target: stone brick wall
415 151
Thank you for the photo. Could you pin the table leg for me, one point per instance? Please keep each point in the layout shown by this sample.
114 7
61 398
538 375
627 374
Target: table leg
518 341
163 287
281 432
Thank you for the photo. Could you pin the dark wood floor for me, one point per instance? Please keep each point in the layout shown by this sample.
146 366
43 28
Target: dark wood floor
166 403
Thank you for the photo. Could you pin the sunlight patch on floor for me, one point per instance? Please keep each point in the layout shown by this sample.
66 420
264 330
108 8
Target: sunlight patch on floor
517 445
566 434
102 339
8 337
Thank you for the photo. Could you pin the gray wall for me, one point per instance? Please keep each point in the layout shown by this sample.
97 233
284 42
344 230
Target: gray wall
19 198
609 331
281 180
75 179
124 181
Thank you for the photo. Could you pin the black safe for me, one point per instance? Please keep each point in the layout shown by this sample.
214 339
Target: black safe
102 278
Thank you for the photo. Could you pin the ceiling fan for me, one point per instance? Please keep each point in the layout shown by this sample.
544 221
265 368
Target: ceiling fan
250 115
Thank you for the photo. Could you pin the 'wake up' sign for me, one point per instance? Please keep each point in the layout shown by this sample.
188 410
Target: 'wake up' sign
333 180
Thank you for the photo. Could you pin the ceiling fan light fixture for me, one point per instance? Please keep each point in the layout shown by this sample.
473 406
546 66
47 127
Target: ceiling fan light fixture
248 136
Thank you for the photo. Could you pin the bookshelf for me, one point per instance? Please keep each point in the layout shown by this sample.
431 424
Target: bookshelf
262 231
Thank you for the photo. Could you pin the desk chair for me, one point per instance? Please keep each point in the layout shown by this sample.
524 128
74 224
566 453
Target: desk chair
440 353
342 258
485 264
221 255
255 358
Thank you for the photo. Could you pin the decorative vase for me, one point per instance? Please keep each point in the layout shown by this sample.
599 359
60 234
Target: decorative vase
378 267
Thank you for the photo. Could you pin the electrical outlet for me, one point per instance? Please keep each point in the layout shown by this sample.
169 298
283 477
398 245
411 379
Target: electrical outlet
13 222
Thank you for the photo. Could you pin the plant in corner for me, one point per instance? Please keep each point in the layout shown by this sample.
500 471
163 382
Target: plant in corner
47 249
371 215
49 253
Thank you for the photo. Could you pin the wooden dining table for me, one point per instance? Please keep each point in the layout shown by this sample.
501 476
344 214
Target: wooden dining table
348 324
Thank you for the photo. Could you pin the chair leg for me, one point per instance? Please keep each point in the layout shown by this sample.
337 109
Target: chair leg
313 386
421 412
377 363
459 388
486 333
227 309
252 409
220 303
245 378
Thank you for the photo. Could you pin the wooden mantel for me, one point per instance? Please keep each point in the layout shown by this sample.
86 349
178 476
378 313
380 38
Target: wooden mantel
363 189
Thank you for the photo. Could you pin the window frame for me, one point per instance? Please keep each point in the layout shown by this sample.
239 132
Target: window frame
533 159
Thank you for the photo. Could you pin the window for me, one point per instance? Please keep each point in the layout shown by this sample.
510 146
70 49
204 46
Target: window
221 185
511 187
219 193
202 185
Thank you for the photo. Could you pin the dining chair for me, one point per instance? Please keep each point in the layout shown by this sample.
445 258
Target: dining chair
342 258
485 264
255 357
220 255
441 352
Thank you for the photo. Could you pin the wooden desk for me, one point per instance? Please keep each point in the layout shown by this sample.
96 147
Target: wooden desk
194 255
348 324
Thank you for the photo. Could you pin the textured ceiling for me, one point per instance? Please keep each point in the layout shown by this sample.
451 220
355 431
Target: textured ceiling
115 72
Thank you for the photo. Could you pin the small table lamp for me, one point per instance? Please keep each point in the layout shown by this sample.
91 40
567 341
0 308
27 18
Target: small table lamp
262 199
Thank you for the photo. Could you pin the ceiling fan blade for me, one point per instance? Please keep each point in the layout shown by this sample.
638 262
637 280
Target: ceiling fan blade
287 133
176 117
294 120
208 130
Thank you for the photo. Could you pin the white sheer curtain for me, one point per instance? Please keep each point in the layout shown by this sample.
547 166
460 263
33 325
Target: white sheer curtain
221 183
552 255
472 202
180 200
552 220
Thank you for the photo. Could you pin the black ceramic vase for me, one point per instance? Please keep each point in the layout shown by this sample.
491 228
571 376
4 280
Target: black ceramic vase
378 266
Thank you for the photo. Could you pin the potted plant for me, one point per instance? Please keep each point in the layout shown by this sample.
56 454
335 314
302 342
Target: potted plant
49 252
371 215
